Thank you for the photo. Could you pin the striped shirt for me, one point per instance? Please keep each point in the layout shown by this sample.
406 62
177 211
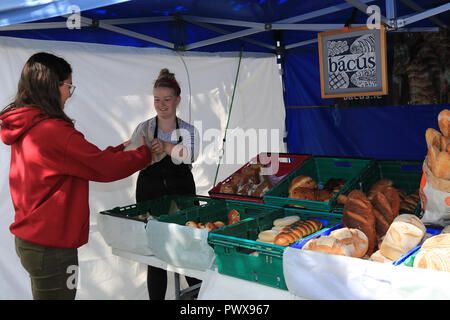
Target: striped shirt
188 133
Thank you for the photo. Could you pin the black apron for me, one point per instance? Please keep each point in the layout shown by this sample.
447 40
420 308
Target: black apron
164 177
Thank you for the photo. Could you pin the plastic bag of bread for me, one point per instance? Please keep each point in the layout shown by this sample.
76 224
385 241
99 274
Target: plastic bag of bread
435 183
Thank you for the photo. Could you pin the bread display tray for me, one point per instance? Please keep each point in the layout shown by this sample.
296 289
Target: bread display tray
238 254
172 241
124 227
321 169
406 175
287 163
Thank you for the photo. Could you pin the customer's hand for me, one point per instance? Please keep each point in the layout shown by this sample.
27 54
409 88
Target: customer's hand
158 146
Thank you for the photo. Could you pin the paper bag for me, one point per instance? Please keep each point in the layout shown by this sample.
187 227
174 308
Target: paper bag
435 198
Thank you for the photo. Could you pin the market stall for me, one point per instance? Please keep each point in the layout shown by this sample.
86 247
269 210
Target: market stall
229 56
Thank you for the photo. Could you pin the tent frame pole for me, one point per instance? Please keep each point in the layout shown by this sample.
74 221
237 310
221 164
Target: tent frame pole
406 20
411 4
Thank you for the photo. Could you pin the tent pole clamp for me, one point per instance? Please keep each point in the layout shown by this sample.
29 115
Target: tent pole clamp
267 26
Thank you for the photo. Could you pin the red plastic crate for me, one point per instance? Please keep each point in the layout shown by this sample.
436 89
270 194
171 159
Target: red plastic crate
287 163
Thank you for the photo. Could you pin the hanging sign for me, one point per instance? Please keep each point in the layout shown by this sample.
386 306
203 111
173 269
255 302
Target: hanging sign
353 62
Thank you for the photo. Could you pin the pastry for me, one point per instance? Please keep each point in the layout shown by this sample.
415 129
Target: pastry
267 236
299 229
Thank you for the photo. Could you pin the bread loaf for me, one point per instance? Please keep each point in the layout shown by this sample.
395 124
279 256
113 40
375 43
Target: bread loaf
441 168
354 238
358 213
377 186
434 259
303 194
329 245
302 181
267 236
378 257
285 221
444 122
441 241
405 232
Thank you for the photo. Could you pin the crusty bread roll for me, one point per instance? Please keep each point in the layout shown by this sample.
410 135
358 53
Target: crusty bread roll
302 181
354 238
238 179
233 216
262 189
378 257
285 221
434 259
441 168
444 122
441 241
191 224
252 173
328 244
219 224
405 232
228 188
303 194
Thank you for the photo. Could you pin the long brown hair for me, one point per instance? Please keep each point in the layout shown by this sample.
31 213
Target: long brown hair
166 79
39 84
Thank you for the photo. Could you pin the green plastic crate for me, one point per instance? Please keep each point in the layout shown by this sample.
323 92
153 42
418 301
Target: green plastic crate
159 206
406 175
218 211
239 255
321 169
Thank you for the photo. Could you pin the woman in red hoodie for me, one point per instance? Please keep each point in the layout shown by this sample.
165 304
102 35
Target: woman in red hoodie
51 166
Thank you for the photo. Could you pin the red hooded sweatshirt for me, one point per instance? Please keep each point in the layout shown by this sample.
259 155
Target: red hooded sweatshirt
51 166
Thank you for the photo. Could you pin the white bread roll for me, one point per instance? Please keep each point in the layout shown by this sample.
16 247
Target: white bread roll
267 236
378 257
441 241
434 259
330 245
352 237
282 222
405 232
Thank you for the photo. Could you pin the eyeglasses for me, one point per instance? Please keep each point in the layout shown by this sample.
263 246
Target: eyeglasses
71 87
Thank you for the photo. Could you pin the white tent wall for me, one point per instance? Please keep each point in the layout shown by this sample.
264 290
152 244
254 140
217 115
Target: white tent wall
113 96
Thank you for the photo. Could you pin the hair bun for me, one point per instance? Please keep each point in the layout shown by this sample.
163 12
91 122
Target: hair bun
166 74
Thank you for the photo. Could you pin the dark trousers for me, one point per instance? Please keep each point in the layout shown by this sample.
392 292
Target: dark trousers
53 271
157 283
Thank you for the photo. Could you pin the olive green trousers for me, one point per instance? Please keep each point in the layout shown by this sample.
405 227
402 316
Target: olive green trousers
53 271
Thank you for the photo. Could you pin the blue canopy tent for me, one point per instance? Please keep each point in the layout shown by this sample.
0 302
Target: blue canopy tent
287 28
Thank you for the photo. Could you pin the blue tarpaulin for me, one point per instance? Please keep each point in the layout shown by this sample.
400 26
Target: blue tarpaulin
314 124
